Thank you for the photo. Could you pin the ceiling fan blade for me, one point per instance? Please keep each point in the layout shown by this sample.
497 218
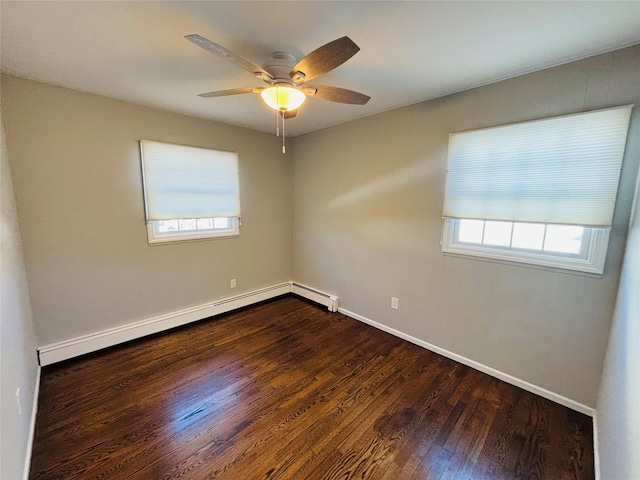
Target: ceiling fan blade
323 60
335 94
233 91
219 50
290 113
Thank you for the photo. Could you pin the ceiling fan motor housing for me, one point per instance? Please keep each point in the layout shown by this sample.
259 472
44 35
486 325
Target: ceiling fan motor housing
279 65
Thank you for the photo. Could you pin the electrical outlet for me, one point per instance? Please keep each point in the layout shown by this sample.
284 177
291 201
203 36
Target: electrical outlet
233 283
394 303
19 401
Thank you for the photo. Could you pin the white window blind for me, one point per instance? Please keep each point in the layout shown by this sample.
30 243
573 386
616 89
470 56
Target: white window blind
562 170
189 182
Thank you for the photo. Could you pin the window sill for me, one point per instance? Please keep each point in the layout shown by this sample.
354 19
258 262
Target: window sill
195 238
520 264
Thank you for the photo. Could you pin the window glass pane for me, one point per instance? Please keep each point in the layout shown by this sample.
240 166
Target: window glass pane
470 231
177 230
528 235
563 238
569 247
187 224
165 226
497 233
220 222
205 223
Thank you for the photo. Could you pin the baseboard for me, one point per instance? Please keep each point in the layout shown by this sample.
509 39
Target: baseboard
596 447
567 402
93 342
74 347
328 300
32 427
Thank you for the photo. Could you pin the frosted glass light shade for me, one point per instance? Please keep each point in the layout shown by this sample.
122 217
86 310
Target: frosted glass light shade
283 97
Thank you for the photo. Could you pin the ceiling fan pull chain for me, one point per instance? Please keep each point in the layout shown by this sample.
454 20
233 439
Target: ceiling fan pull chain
277 123
283 147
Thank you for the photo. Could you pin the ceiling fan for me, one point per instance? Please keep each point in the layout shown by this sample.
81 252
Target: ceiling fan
287 79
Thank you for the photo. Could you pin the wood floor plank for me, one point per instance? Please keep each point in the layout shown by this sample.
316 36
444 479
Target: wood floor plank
286 390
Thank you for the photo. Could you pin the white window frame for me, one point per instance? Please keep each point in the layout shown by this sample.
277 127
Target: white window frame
555 171
154 236
591 259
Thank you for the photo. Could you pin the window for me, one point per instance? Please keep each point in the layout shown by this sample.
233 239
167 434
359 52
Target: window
569 247
540 192
189 193
191 229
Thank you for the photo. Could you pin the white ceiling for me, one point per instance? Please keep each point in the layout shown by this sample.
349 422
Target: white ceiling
410 51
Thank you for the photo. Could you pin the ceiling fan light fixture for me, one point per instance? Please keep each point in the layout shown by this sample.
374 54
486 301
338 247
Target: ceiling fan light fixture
288 89
283 97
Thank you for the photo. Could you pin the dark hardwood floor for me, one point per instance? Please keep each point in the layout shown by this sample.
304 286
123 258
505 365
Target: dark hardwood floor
287 390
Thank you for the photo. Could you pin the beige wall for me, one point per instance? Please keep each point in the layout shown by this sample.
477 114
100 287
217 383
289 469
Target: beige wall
77 180
18 358
367 223
618 409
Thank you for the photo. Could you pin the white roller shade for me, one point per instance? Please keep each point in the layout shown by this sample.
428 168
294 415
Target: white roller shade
189 182
558 170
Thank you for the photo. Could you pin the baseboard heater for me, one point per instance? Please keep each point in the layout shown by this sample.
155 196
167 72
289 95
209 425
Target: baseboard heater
74 347
329 301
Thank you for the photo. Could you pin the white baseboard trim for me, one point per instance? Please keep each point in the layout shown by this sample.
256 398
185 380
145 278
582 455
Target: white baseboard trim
57 352
329 301
74 347
32 427
596 447
567 402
